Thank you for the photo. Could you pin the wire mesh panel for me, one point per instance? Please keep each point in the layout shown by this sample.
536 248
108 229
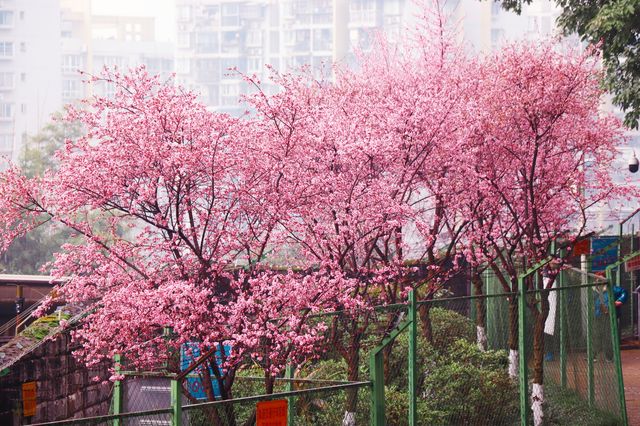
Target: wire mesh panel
569 354
468 350
579 346
147 393
313 406
577 328
463 379
627 275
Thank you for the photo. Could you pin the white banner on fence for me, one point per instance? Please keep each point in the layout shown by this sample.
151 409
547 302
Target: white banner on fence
550 324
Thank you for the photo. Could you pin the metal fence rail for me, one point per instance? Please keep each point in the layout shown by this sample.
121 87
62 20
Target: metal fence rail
425 366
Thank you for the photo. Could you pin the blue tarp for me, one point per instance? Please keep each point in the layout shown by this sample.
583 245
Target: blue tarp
189 353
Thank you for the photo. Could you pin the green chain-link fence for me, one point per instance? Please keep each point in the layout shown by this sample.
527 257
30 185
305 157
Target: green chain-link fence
626 278
432 370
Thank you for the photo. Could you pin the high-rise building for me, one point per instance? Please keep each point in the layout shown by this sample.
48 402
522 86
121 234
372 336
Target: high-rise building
29 69
217 38
91 42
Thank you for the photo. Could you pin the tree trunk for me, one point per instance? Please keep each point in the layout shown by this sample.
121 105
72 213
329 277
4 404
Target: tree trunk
513 337
425 318
537 394
386 360
269 382
481 333
353 361
392 323
212 413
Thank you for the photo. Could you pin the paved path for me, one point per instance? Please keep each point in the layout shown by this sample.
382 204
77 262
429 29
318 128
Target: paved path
631 373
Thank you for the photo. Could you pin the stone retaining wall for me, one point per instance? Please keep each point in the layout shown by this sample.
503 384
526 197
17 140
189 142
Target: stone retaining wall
64 387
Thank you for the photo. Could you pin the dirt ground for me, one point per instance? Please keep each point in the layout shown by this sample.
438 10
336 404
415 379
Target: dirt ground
631 373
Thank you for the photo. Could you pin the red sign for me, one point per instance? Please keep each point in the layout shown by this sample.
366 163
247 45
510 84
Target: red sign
272 413
582 247
632 264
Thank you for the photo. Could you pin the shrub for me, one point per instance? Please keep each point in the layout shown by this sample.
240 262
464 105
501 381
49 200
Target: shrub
448 326
458 383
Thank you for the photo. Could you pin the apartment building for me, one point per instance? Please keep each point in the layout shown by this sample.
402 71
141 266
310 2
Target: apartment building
29 70
214 36
91 42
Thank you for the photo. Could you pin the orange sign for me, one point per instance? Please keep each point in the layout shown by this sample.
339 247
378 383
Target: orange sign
29 399
632 264
272 413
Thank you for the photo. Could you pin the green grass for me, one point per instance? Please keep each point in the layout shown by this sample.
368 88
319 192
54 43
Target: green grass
564 407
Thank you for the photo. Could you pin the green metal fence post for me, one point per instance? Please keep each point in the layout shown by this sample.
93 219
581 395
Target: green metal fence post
376 374
616 347
291 412
413 382
522 361
590 354
618 270
117 392
176 403
562 300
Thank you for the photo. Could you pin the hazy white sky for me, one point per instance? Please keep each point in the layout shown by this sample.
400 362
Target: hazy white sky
162 10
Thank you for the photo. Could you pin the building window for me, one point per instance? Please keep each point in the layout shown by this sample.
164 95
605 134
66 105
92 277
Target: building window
6 80
184 13
6 111
184 40
206 42
71 89
229 90
230 42
6 142
230 14
497 37
302 40
6 18
23 76
71 63
496 8
23 46
23 108
254 38
254 64
363 12
322 39
6 49
183 65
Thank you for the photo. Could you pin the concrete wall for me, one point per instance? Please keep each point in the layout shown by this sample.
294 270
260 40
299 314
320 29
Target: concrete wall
64 387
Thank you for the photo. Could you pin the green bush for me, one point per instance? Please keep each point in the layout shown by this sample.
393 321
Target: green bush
468 386
458 383
448 326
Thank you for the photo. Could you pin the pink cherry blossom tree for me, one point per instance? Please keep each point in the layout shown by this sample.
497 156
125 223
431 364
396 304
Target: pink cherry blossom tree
166 200
359 162
537 123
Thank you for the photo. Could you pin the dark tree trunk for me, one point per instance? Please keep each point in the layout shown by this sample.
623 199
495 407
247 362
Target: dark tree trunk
353 369
269 382
424 311
480 310
513 323
538 337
